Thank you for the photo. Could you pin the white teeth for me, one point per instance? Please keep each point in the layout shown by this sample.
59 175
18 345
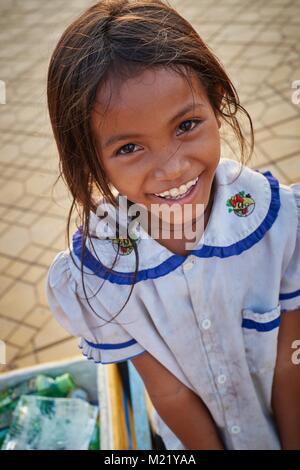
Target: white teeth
190 183
175 193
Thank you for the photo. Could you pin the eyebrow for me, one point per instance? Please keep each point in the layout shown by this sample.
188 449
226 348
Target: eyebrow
117 137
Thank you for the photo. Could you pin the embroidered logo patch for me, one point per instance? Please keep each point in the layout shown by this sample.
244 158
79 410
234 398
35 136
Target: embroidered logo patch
125 244
241 204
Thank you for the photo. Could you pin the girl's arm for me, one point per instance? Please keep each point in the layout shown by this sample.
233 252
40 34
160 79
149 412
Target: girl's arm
179 407
286 384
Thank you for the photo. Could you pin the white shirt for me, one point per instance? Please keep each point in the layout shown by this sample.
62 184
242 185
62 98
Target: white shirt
210 317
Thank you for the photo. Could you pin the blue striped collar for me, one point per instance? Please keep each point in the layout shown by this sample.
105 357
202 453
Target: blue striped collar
228 232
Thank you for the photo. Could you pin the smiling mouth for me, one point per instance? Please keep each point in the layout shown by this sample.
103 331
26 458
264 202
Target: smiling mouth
180 196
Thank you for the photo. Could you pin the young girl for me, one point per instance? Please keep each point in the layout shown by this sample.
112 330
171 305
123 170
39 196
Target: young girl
136 101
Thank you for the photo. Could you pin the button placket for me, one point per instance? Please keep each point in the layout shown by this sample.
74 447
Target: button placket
219 380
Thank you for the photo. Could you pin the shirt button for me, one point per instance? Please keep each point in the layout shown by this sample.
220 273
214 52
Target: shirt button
188 265
235 429
206 324
221 378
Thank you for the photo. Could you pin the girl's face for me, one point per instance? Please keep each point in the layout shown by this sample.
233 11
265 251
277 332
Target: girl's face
150 140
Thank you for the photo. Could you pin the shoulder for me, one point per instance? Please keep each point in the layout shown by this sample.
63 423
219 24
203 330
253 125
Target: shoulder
102 338
64 274
290 282
59 271
73 284
64 296
290 201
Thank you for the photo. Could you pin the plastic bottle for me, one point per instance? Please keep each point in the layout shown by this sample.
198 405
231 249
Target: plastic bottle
38 385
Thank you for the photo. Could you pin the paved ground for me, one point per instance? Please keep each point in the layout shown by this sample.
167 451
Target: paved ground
259 43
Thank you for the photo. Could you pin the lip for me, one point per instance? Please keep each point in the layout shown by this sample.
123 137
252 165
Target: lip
184 200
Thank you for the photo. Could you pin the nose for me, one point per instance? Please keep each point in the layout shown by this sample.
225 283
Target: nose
171 166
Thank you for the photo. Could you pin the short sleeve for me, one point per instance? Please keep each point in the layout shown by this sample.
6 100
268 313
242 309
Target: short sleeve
108 343
289 297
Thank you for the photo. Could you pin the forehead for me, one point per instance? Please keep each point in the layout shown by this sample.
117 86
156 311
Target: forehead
148 96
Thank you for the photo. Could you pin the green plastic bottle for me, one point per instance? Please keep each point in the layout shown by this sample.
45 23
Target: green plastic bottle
38 385
58 387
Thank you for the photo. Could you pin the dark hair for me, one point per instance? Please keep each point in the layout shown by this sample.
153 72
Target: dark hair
123 38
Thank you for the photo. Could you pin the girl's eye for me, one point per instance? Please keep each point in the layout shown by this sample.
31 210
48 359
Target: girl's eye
195 121
131 145
124 147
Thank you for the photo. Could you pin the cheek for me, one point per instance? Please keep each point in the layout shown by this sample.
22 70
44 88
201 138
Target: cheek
125 179
214 141
213 131
208 146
